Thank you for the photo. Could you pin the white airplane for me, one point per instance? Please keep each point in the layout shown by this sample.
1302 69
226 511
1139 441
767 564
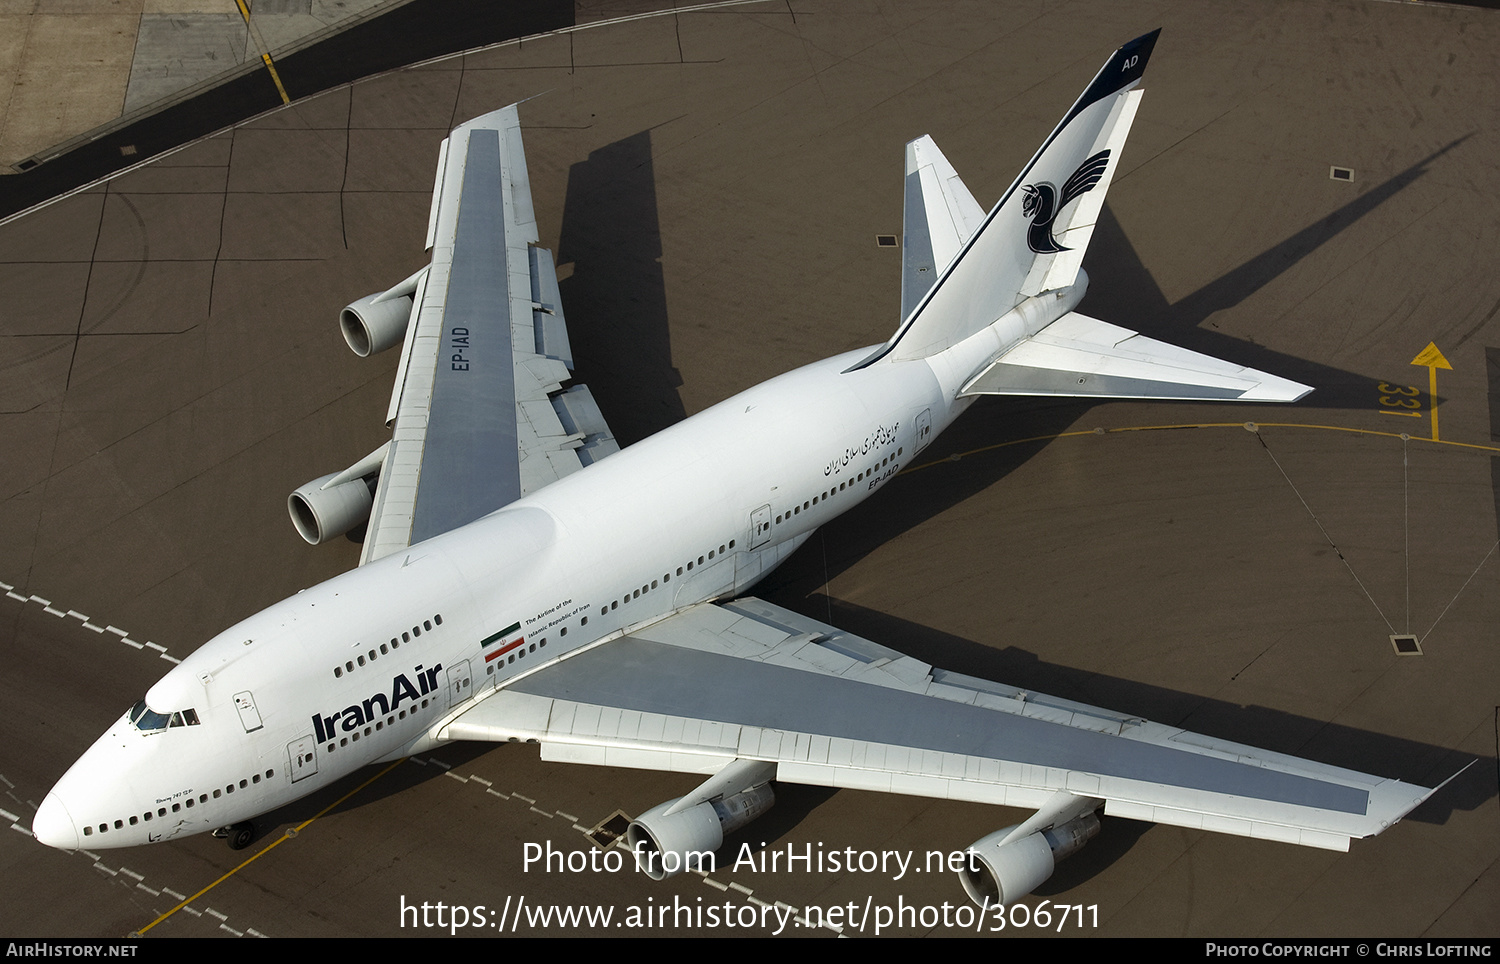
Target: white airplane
524 579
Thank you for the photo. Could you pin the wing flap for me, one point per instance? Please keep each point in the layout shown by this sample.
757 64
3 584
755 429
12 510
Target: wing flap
747 680
1082 356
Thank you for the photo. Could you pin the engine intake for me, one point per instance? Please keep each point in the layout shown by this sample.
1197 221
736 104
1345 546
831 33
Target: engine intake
1002 874
370 327
665 844
332 505
320 514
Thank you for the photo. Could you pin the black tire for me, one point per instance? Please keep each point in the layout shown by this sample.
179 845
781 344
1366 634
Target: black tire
241 835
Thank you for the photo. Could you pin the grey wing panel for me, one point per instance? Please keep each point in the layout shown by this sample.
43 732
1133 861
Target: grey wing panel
479 414
747 680
470 462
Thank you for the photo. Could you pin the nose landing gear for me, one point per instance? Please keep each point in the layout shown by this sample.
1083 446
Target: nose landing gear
239 835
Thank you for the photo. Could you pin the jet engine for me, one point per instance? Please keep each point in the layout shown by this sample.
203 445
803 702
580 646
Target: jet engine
332 505
667 843
372 326
1001 872
376 322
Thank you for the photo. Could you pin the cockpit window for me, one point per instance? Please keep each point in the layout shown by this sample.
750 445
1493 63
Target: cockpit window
145 719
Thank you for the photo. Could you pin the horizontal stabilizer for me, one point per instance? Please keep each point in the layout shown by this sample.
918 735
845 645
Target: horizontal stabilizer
941 215
1083 356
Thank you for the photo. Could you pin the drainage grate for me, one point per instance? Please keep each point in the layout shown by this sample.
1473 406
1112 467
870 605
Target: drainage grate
1341 173
1406 645
885 240
127 150
612 829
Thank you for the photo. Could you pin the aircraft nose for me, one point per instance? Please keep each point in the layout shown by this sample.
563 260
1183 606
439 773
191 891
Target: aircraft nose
53 825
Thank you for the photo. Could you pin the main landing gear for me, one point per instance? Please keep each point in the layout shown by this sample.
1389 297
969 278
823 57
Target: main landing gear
239 835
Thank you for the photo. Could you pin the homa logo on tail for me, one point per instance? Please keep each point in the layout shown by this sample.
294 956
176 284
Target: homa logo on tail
356 715
1041 203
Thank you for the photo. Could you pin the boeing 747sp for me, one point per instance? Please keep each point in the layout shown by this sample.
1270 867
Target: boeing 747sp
525 579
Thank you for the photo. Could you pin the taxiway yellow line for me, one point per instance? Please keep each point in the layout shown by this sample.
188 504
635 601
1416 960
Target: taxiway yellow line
269 847
265 56
1163 428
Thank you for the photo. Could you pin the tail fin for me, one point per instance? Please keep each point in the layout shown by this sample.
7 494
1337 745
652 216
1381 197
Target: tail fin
1034 239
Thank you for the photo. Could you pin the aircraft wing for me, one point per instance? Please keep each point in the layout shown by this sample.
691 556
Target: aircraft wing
749 681
479 416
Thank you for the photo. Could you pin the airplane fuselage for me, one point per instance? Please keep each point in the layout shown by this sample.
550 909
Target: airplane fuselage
371 665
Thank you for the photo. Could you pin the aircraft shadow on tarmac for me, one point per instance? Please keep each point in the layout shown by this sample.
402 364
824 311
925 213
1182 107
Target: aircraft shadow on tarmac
1136 302
615 299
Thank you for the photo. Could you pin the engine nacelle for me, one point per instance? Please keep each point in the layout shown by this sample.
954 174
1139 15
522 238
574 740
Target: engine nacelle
370 327
667 844
999 874
321 514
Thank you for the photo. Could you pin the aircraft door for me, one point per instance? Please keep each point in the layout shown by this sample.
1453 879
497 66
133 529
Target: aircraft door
460 685
244 704
924 430
302 754
760 527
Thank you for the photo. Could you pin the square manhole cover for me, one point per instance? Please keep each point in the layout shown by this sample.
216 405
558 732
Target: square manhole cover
612 829
1406 645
